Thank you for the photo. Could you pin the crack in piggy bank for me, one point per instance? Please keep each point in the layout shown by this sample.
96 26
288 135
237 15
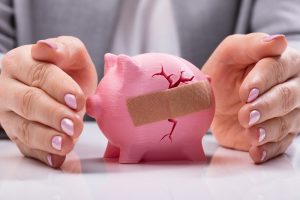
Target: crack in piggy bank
172 85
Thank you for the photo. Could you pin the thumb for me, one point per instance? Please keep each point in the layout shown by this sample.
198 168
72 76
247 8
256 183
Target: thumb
68 53
243 50
64 51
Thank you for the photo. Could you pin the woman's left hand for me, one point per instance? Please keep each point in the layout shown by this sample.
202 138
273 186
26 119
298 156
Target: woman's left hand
271 115
256 83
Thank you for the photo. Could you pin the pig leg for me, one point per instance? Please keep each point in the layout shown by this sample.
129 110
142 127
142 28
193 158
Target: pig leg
194 151
131 155
111 151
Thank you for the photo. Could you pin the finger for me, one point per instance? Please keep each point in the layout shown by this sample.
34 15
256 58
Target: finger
260 154
277 102
274 130
48 77
71 55
35 105
51 160
243 50
36 135
269 72
61 51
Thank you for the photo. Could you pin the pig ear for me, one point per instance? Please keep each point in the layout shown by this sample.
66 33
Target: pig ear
127 65
109 61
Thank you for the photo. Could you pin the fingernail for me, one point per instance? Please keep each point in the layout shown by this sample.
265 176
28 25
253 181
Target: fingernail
272 37
70 100
49 159
254 117
263 156
57 142
67 126
49 43
253 95
262 134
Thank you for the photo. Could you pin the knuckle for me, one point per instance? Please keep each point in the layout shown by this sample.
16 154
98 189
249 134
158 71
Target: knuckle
39 74
232 37
287 99
282 147
25 131
58 113
278 70
27 102
25 151
283 127
7 60
265 104
80 49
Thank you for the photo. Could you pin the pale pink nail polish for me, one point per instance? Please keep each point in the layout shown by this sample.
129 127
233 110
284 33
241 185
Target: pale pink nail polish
70 100
253 95
263 156
57 142
254 117
262 134
49 159
67 126
269 38
49 43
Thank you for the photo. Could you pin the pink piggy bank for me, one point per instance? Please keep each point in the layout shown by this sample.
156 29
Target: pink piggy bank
152 107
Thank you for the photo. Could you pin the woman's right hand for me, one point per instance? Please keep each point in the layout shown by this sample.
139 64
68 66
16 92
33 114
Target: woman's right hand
42 96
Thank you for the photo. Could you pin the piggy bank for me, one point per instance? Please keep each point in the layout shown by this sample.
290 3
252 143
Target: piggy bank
152 107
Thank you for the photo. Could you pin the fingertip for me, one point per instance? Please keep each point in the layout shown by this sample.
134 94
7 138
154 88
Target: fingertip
276 43
243 117
44 50
81 99
252 135
78 126
257 155
67 145
75 100
49 43
56 160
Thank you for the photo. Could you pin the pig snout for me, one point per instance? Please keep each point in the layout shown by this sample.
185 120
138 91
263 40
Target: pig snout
93 106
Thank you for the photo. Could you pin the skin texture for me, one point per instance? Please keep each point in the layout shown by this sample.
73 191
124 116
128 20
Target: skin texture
244 62
33 83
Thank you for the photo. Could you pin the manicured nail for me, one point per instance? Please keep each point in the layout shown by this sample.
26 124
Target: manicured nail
262 134
57 142
49 159
67 126
253 95
272 37
263 156
254 117
49 43
70 100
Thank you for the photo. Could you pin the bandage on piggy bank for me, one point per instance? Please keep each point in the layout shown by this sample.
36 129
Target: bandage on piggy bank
152 107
